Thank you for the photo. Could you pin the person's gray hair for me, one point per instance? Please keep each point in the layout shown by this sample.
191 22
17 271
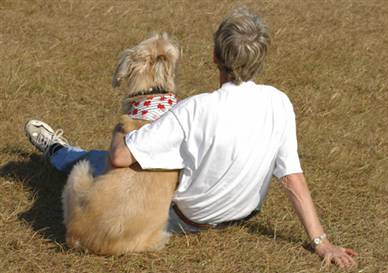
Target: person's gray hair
240 45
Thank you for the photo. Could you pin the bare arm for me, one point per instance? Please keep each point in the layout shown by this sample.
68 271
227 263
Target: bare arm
299 195
119 154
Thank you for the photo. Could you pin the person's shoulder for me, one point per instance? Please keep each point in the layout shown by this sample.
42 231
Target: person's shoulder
193 105
271 90
198 97
196 100
275 92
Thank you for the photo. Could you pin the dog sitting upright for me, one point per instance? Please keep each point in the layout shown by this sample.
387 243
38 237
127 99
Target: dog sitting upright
126 209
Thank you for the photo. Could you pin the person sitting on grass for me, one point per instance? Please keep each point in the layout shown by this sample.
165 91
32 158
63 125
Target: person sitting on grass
227 143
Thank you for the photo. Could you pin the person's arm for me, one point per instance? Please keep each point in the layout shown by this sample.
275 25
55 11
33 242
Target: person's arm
157 145
299 195
119 154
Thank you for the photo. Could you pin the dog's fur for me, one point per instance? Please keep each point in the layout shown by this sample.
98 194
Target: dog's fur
126 209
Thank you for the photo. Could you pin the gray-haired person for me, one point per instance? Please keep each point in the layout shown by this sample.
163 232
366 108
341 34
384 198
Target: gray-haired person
227 143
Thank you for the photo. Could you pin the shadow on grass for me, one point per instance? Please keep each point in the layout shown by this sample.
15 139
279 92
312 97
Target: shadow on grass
256 227
45 215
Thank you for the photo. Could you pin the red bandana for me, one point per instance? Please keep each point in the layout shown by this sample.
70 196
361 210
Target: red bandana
151 107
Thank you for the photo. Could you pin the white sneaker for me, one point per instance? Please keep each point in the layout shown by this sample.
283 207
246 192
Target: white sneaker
42 136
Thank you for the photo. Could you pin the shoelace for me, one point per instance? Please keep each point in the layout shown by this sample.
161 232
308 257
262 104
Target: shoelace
46 141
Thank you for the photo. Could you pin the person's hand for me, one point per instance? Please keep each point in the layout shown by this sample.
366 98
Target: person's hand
342 257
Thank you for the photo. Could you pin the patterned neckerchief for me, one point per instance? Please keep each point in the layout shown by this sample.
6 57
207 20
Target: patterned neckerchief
151 107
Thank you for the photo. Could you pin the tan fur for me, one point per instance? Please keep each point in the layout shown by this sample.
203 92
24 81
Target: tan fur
125 210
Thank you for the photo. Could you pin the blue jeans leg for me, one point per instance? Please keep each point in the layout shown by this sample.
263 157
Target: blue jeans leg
64 159
176 225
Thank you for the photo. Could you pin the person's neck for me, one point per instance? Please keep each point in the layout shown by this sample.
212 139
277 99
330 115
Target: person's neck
223 77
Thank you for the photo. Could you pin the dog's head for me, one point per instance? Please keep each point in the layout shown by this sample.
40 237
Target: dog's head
150 64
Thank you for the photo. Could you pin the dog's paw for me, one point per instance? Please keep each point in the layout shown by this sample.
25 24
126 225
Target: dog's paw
128 124
124 119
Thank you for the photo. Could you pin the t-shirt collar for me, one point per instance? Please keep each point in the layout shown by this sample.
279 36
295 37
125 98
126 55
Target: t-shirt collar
231 84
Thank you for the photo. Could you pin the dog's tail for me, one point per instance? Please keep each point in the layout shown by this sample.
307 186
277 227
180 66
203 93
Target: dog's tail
78 184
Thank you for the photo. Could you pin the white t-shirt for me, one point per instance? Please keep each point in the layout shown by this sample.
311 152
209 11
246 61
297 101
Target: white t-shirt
227 143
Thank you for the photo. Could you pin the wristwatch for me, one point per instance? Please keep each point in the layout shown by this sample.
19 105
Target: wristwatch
318 240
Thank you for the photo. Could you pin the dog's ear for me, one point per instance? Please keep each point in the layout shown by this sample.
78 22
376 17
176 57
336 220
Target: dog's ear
122 69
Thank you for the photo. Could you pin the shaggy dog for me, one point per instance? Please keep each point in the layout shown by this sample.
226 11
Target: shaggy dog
126 210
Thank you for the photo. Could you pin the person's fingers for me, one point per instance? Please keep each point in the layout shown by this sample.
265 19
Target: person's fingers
338 261
346 261
352 262
350 252
342 258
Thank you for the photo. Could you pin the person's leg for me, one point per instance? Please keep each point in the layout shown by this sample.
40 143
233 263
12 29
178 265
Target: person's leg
59 153
176 225
65 158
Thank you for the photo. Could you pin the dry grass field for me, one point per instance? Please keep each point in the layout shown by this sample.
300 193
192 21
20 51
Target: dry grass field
330 57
